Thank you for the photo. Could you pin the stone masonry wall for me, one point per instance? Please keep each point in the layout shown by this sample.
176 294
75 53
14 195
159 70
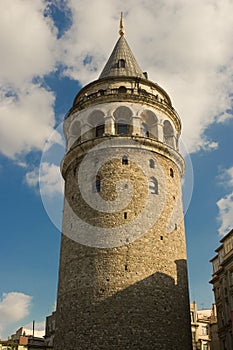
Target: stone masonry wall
132 294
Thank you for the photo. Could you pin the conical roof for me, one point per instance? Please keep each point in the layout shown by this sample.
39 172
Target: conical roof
121 62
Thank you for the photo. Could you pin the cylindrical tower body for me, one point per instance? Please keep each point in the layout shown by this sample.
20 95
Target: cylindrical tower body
123 275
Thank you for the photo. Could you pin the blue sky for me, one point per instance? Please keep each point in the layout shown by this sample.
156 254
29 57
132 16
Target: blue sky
46 58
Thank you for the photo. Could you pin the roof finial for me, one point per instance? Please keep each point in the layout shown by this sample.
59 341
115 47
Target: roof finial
121 31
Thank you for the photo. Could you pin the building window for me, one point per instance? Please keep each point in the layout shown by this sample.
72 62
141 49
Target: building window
204 330
122 90
125 215
121 63
192 316
171 172
99 130
125 160
101 92
96 185
231 277
152 163
169 134
144 130
217 290
153 186
122 128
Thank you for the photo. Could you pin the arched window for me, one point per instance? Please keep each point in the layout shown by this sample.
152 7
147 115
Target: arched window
95 124
121 63
153 186
125 160
96 185
122 90
74 133
99 130
169 134
152 163
171 172
144 130
149 126
123 120
101 92
122 127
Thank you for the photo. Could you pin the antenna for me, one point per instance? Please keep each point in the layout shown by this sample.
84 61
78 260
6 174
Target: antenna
33 328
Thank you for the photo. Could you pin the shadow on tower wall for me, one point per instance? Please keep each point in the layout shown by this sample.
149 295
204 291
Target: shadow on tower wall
151 314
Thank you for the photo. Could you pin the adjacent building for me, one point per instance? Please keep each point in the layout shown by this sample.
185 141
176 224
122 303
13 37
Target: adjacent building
200 325
215 343
203 326
222 280
24 339
50 327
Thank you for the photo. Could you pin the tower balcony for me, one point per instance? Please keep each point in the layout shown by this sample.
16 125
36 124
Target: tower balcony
125 89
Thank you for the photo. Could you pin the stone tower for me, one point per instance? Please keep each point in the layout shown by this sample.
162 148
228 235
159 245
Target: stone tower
123 275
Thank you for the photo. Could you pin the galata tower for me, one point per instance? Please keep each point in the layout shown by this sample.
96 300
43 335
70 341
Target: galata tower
123 274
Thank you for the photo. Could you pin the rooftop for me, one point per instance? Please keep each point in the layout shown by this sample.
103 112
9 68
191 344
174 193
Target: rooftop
122 61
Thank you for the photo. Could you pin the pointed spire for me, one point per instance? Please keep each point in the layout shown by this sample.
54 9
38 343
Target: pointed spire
122 61
121 31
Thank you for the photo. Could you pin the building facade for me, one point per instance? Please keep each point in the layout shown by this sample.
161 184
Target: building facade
24 339
222 280
203 328
50 327
215 343
200 325
123 251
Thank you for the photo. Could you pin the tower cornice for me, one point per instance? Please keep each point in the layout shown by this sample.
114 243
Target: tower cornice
79 150
108 81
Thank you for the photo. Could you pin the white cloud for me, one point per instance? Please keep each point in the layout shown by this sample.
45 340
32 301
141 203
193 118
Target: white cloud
225 204
229 176
27 41
226 177
26 119
39 329
225 207
209 146
14 306
49 179
32 178
28 50
184 45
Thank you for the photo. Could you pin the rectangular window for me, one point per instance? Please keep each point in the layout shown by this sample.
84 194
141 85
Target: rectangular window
125 160
96 185
122 128
193 337
204 330
231 277
99 131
